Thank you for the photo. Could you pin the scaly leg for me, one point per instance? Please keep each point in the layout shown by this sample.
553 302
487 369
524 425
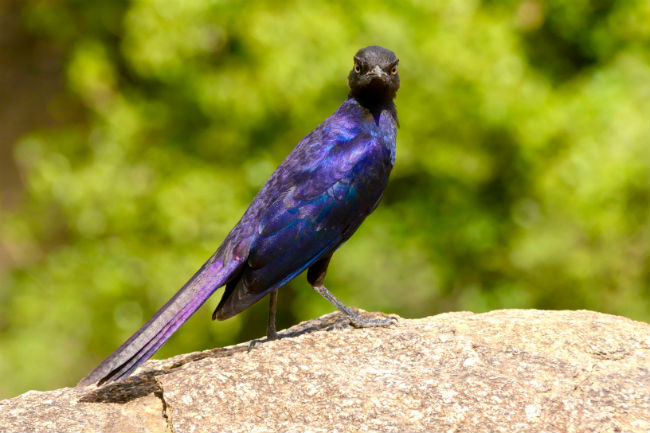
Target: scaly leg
316 277
271 333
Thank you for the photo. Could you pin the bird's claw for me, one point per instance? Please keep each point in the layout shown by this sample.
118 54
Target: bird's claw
254 343
270 336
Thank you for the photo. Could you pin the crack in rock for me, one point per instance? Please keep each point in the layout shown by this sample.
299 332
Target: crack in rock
160 393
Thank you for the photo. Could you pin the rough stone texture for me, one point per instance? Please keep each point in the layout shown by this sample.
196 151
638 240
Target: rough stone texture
61 411
509 370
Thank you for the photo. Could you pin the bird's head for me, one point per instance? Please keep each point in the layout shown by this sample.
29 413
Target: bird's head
374 78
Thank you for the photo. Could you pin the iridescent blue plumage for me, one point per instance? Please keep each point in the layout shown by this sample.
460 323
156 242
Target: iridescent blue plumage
314 201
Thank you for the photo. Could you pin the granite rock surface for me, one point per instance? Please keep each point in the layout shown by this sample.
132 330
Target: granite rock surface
507 370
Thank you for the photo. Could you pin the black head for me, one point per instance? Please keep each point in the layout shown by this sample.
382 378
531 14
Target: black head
374 79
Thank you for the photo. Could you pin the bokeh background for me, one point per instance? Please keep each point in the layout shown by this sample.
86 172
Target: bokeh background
135 133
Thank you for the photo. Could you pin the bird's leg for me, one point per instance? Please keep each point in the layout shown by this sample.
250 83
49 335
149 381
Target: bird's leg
271 333
316 277
355 319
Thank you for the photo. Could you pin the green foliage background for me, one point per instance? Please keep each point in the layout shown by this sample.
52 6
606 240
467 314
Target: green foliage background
522 176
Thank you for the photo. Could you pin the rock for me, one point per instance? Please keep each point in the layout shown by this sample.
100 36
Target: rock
509 370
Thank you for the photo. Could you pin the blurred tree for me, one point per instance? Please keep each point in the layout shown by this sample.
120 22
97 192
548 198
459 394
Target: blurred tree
522 178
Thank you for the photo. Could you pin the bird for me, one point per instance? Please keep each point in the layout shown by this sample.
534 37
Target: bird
312 204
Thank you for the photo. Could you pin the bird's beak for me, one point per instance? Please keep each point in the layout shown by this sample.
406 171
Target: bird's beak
377 72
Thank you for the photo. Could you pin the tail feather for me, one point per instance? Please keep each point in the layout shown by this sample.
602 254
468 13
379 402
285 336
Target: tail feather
153 334
144 353
153 345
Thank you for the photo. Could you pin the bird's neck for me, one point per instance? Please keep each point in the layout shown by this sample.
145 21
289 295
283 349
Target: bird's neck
376 107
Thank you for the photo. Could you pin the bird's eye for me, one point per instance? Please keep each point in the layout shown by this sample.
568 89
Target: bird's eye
357 68
393 70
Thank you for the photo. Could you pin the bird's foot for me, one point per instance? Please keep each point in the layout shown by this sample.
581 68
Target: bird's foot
359 322
270 336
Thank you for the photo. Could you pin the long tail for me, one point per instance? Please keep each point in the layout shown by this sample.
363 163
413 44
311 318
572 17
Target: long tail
153 334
